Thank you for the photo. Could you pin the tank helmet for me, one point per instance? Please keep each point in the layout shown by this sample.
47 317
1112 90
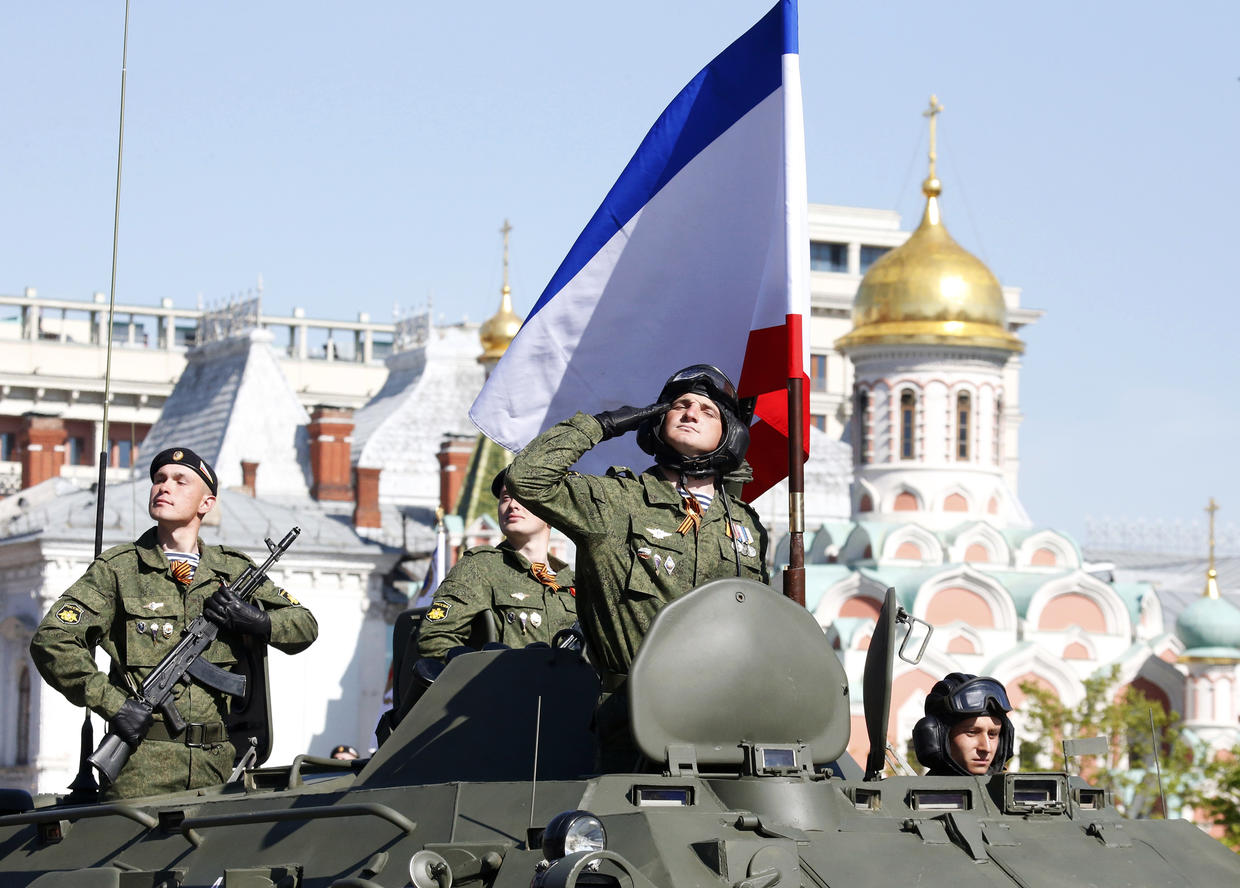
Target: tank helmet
960 695
713 383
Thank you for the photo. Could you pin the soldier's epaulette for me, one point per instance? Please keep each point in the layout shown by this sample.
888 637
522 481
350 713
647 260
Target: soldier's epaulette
234 552
479 550
622 472
117 551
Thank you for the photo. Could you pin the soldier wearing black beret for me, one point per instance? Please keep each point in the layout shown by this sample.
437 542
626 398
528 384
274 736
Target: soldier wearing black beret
134 601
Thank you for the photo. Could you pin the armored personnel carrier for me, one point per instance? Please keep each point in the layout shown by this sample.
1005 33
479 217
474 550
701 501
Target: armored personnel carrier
741 708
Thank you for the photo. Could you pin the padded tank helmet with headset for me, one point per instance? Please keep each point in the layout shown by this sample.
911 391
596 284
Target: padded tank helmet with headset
709 382
958 696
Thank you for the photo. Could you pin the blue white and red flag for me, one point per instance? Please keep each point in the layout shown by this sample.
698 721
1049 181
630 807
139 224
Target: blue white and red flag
698 254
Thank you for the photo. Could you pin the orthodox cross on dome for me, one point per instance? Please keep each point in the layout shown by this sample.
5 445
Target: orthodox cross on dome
1211 573
932 112
504 231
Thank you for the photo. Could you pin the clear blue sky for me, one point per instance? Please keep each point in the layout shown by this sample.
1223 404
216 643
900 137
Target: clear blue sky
364 155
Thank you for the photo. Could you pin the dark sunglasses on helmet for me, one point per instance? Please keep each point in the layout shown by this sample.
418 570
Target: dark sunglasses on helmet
977 696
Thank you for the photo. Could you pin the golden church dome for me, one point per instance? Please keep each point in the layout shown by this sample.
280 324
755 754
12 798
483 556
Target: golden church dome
930 290
499 329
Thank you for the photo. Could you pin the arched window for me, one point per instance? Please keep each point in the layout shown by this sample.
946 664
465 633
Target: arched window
908 407
998 431
862 419
23 717
964 423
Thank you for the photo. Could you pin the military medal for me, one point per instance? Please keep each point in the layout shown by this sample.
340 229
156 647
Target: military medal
523 617
167 630
520 596
154 606
643 552
658 561
141 627
669 564
535 619
510 617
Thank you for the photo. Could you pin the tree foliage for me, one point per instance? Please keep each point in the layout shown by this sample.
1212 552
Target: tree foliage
1123 718
1218 796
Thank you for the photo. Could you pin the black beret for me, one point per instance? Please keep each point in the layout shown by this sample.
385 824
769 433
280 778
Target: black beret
183 456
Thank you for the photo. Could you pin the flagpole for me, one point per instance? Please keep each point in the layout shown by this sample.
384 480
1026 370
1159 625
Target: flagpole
794 573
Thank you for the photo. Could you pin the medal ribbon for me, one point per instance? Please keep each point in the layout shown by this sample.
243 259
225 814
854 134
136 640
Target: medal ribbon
182 570
693 515
544 575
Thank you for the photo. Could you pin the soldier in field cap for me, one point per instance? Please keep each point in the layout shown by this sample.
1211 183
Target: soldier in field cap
528 593
134 601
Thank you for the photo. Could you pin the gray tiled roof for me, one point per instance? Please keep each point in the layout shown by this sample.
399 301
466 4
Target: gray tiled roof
68 514
1178 579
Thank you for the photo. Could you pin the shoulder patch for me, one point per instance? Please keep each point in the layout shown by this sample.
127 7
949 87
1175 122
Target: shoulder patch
283 593
69 614
622 472
438 611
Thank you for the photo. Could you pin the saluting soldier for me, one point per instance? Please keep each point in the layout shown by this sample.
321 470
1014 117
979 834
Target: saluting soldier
645 540
134 601
528 592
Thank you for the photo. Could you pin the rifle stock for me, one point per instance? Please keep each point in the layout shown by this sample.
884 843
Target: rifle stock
182 663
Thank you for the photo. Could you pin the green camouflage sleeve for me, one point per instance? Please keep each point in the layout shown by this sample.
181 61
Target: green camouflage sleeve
460 597
539 477
293 627
64 642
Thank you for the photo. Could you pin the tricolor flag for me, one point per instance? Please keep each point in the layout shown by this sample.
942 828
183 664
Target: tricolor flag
698 254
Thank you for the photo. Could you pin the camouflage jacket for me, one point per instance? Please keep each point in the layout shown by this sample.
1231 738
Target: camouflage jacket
498 579
128 603
631 559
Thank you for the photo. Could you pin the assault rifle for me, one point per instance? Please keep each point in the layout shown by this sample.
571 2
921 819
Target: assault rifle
186 660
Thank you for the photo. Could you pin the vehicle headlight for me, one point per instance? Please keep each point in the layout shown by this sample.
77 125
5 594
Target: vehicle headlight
573 831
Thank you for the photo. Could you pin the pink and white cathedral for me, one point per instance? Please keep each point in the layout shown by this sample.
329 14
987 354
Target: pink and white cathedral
933 512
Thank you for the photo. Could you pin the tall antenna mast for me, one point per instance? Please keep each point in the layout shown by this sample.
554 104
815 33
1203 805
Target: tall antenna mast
84 787
107 372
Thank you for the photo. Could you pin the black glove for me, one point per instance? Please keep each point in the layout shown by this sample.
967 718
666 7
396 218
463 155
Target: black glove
625 419
227 611
131 723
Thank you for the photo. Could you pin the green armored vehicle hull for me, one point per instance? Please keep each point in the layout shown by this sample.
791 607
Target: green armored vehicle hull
741 708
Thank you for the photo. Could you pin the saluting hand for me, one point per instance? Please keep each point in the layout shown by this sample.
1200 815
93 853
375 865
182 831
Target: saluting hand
626 419
227 611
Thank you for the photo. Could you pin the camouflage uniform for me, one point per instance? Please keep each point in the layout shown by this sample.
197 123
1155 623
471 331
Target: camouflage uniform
498 579
128 603
631 560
